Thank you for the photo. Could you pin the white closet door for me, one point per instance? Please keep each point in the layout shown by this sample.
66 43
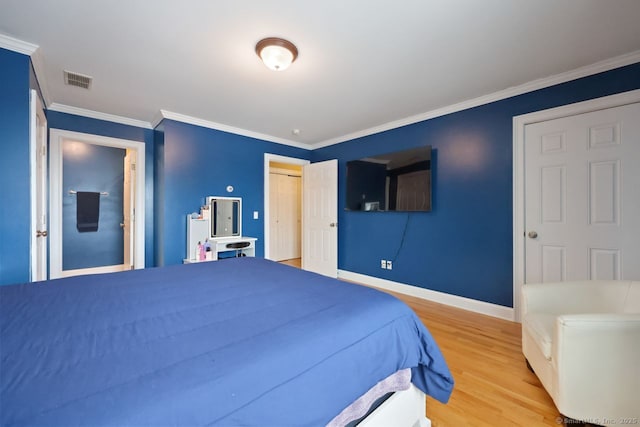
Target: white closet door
582 211
285 208
274 229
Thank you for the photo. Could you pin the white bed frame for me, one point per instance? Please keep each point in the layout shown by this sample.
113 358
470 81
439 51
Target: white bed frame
404 408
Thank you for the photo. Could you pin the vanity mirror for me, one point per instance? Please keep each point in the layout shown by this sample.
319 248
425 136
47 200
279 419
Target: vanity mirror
226 216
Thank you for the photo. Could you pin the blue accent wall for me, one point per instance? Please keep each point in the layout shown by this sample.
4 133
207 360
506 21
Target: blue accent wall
71 122
199 162
464 246
87 167
15 204
158 194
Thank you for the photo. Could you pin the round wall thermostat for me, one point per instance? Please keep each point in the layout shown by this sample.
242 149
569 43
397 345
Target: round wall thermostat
229 188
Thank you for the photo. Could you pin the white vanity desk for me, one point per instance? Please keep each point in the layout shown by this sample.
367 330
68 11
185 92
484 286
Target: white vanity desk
242 246
221 228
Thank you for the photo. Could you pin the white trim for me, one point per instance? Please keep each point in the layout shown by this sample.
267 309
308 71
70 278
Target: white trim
26 48
157 119
95 270
265 217
33 176
164 114
598 67
98 115
32 50
20 46
56 138
469 304
519 123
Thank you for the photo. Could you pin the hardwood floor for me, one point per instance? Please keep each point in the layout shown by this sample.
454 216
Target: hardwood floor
493 386
296 262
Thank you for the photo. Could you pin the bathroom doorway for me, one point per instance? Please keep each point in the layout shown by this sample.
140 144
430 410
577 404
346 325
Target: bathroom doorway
97 187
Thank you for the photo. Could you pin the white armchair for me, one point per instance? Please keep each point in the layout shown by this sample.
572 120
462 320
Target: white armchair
582 340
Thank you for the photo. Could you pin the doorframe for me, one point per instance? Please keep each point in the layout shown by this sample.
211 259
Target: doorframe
519 123
268 158
36 108
57 137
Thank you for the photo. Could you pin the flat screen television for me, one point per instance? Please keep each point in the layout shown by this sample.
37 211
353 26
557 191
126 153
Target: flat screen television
397 181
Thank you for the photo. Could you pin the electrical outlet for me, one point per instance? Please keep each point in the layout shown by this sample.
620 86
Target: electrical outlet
389 265
383 263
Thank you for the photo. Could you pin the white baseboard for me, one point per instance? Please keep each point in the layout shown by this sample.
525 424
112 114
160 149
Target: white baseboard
469 304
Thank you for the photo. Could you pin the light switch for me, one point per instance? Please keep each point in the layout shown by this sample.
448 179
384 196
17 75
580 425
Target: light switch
255 214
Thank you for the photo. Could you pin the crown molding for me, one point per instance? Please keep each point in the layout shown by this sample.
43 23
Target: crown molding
35 53
157 119
164 114
10 43
31 49
61 108
598 67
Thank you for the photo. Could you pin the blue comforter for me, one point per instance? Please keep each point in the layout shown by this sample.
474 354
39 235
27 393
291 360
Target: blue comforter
232 343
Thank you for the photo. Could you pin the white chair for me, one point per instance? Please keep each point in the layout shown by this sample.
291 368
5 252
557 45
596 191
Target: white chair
582 340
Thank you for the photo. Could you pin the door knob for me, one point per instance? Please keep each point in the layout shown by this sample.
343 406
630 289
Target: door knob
41 233
122 225
532 234
333 224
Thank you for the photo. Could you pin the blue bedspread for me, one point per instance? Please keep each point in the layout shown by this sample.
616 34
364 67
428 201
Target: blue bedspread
232 343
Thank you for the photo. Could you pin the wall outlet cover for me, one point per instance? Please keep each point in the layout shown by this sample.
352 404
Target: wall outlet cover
389 265
383 263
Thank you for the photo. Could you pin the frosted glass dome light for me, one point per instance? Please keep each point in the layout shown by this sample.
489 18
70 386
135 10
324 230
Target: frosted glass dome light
277 54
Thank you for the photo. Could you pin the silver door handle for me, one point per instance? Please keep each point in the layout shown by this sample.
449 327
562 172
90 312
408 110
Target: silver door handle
532 234
122 225
333 224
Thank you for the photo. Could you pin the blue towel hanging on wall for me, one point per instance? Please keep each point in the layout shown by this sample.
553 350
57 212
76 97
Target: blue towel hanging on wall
87 211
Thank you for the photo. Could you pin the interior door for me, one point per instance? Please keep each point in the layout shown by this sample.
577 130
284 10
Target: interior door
582 210
274 214
128 203
320 217
285 209
38 130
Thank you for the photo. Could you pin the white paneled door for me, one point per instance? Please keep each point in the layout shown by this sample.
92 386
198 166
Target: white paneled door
320 217
39 196
284 216
128 204
582 196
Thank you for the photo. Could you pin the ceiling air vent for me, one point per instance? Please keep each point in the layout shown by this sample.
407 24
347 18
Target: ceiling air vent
79 80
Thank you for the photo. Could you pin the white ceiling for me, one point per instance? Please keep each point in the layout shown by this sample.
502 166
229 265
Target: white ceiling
362 63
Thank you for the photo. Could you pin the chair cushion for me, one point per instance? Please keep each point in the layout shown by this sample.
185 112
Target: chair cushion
540 326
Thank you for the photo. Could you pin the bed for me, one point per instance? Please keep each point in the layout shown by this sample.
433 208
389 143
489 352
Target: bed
243 341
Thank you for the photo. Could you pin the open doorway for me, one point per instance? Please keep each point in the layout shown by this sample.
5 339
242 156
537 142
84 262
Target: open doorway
283 207
96 188
285 211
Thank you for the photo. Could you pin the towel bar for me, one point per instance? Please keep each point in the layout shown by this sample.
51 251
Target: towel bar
102 193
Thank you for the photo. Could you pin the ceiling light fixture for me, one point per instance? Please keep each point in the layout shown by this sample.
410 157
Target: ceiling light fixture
276 53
